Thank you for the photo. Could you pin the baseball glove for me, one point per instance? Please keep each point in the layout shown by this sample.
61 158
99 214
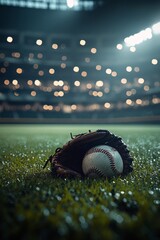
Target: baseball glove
67 161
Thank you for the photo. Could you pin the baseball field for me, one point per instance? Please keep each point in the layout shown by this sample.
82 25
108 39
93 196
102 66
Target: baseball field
34 205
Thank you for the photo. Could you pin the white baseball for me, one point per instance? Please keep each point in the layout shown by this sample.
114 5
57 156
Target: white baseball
102 161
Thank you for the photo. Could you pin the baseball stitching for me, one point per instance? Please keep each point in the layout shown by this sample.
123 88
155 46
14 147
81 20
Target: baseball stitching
95 170
110 157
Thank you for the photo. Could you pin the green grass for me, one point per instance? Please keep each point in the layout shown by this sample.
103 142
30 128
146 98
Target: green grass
34 205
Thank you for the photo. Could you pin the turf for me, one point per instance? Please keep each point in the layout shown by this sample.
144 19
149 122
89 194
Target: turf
34 205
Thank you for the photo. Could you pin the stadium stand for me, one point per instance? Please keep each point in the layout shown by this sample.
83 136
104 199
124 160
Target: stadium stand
62 77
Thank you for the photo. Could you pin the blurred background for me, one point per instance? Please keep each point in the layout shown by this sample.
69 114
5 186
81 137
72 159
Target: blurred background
79 61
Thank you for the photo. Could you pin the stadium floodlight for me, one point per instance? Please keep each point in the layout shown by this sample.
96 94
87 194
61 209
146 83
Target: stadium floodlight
54 4
138 37
72 3
156 28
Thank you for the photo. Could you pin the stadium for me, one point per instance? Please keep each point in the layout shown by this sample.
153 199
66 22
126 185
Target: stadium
68 67
74 66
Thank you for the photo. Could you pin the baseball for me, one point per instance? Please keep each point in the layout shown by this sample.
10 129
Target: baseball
102 161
